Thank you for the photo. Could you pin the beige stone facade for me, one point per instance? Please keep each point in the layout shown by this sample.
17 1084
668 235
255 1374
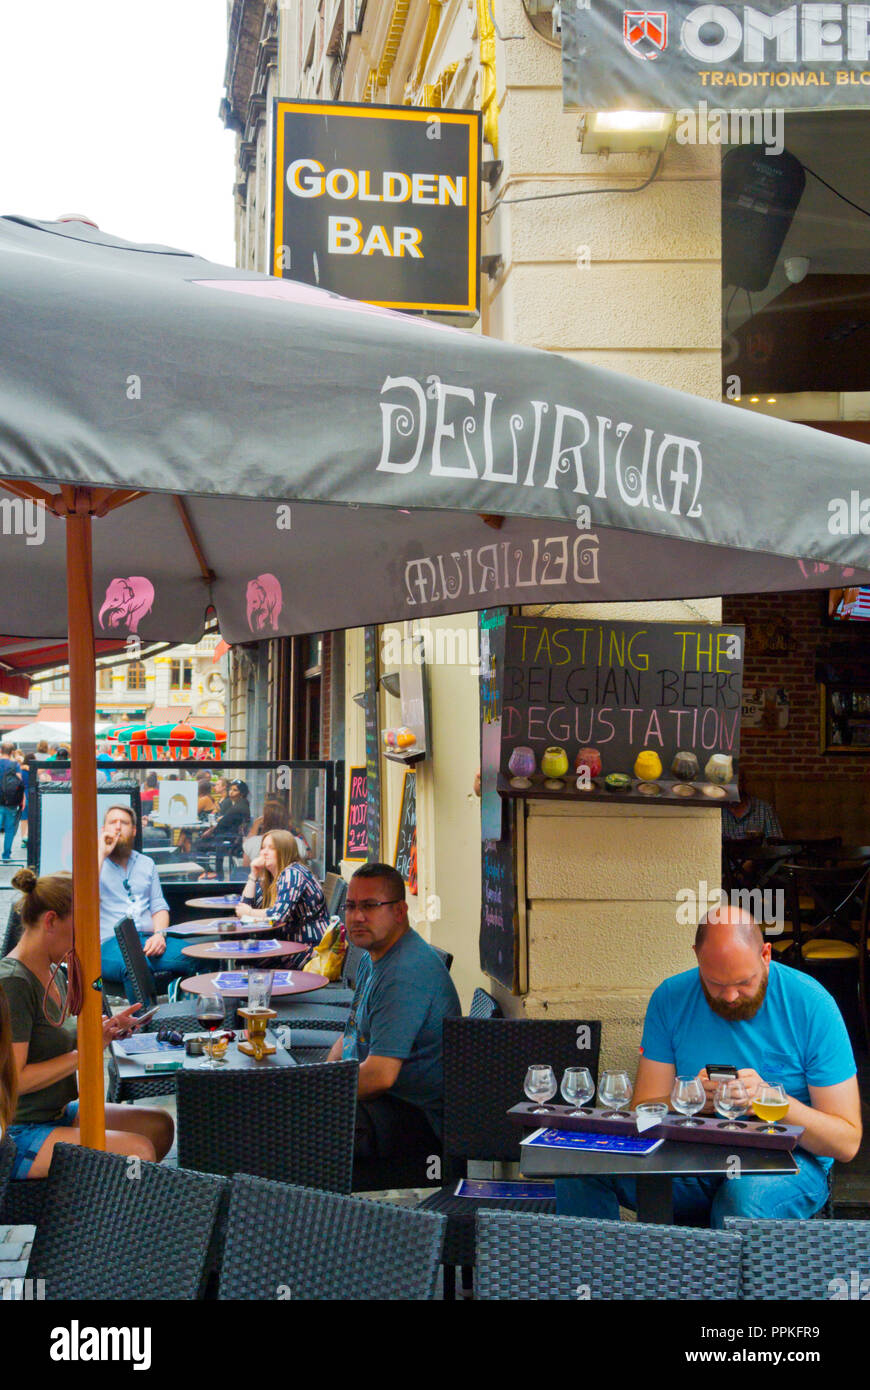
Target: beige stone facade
599 904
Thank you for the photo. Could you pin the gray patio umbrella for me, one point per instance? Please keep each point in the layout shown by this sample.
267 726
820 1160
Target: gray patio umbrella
303 462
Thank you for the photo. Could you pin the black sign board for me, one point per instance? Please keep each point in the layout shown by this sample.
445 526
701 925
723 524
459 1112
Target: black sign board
499 926
405 858
373 765
379 203
356 840
652 709
688 54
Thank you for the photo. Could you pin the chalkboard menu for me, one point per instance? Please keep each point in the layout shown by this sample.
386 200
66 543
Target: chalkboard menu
499 924
643 712
356 840
373 767
405 858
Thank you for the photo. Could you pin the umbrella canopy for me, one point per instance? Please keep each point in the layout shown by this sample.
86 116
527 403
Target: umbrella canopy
142 739
303 462
43 730
176 434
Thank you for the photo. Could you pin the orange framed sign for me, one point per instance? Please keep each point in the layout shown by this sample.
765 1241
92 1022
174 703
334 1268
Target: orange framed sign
378 203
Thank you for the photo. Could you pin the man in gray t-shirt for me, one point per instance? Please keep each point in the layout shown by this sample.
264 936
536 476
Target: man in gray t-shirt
403 995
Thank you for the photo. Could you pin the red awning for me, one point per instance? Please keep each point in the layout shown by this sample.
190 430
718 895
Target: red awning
21 658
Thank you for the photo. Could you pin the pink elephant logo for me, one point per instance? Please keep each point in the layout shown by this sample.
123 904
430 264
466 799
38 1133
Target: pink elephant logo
127 602
264 603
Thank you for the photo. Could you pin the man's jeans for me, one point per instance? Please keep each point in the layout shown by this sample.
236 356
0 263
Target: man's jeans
707 1201
170 963
9 818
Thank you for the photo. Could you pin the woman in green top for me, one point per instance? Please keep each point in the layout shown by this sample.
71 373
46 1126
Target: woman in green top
44 1048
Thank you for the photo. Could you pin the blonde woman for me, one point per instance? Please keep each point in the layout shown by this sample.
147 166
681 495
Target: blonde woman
280 886
44 1043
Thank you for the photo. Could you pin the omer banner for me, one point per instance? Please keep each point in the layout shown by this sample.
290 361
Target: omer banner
801 56
379 203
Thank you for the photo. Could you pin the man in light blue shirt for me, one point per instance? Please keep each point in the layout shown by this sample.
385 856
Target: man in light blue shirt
130 887
774 1024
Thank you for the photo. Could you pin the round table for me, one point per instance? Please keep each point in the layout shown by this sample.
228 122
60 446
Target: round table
205 951
220 927
300 983
223 903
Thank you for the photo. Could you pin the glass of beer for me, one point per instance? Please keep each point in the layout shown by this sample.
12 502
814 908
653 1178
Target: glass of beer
771 1104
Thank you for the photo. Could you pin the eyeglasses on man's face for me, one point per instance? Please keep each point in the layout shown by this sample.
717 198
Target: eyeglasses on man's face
369 905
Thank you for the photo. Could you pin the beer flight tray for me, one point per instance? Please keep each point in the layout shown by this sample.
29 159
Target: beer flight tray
710 1129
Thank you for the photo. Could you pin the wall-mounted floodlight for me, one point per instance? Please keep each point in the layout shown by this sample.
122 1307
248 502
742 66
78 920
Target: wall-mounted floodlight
625 132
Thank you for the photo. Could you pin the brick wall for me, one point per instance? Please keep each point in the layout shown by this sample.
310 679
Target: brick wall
793 751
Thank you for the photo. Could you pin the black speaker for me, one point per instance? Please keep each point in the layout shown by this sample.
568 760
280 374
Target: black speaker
760 195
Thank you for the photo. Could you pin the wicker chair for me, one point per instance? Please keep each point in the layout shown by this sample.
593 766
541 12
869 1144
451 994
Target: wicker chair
293 1124
105 1235
23 1202
796 1260
485 1063
11 931
565 1258
7 1157
181 1016
318 1246
483 1005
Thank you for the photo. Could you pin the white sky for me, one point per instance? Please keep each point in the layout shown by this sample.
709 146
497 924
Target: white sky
110 108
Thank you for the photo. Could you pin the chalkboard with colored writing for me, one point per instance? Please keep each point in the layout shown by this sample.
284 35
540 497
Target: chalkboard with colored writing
406 839
356 840
643 712
499 922
373 766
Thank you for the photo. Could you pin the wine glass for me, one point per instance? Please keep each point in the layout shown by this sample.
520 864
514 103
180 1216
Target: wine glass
688 1097
540 1085
770 1103
577 1087
211 1013
731 1101
614 1091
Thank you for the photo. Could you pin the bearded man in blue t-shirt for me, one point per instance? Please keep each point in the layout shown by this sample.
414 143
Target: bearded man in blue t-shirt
772 1023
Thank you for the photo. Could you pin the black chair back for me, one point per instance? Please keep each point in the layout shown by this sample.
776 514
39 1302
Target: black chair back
7 1157
105 1234
352 957
11 932
293 1124
141 979
485 1065
483 1005
445 957
319 1246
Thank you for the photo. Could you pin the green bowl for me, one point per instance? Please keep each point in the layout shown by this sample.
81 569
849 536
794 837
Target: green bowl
617 782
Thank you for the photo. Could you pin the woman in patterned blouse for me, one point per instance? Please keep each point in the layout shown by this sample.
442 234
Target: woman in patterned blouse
280 886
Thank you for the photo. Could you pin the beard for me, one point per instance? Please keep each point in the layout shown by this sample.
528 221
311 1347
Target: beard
738 1013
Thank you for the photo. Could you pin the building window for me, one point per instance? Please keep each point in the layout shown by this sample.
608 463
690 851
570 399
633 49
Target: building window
104 678
180 675
61 684
136 675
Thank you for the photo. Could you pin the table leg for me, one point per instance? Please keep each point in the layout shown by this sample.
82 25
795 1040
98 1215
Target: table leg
655 1198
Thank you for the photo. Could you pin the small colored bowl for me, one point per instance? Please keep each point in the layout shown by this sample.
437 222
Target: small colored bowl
649 788
647 765
554 762
719 769
591 758
685 766
617 782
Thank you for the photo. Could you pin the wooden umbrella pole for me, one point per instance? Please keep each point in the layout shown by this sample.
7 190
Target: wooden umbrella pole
86 877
